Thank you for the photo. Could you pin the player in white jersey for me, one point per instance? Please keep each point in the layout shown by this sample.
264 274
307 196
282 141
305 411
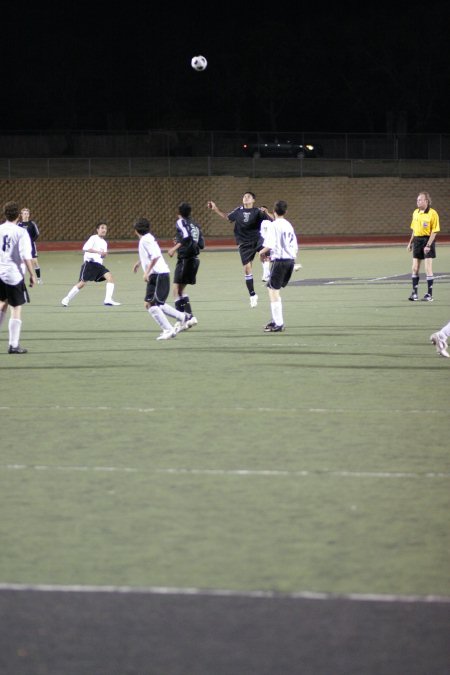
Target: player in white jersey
92 269
15 256
440 340
157 276
281 247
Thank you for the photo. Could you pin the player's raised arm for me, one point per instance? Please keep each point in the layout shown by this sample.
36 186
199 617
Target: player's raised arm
213 206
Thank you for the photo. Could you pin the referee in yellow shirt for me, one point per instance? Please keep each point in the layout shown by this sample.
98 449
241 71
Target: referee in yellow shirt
425 226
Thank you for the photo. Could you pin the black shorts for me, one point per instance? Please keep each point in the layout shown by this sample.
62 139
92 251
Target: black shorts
248 250
14 295
280 273
92 271
158 289
186 271
419 244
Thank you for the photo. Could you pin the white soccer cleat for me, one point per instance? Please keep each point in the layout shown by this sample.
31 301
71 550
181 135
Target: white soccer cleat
440 344
65 302
191 322
167 334
253 300
297 267
187 323
112 303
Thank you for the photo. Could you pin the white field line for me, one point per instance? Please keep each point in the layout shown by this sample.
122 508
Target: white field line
228 472
392 276
366 280
225 593
235 409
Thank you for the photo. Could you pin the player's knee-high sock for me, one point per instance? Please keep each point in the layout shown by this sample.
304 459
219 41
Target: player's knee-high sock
38 272
430 281
179 304
187 304
183 304
266 269
109 291
249 284
415 282
158 315
73 292
14 326
171 311
277 312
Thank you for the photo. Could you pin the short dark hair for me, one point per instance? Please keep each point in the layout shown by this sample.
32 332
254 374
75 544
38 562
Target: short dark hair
100 223
11 211
142 226
185 209
280 207
249 192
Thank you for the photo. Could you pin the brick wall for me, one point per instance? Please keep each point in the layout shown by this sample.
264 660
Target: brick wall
67 209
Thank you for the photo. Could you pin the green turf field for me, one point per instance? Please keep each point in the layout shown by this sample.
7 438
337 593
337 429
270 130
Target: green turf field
313 460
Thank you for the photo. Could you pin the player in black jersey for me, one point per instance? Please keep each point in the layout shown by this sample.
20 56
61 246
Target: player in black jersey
33 230
247 221
189 242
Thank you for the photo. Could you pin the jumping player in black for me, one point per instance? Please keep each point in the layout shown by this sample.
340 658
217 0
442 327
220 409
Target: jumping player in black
247 221
189 242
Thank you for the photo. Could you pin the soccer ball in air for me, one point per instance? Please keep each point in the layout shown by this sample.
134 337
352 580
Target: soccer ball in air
199 62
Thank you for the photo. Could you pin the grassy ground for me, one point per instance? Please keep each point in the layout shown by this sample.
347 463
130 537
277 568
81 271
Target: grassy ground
314 460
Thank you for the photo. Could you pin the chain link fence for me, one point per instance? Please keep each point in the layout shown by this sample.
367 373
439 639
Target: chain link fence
216 153
81 167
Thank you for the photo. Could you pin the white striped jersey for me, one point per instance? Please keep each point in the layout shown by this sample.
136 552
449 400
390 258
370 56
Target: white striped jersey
15 246
99 244
149 250
280 237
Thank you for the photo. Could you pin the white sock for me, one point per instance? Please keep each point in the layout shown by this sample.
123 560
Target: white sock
73 292
158 315
14 332
266 268
445 331
277 312
171 311
2 317
109 291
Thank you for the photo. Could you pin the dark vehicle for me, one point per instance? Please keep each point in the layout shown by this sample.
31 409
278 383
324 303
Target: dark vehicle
275 147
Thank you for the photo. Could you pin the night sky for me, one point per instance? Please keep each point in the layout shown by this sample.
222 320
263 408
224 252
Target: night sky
373 67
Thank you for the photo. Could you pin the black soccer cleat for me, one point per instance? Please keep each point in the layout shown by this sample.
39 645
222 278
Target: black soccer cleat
269 326
274 329
17 350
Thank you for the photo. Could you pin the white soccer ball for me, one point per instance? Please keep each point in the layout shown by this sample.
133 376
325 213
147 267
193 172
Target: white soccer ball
199 62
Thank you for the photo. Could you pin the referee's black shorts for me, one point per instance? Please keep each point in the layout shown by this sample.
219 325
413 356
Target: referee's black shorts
419 244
